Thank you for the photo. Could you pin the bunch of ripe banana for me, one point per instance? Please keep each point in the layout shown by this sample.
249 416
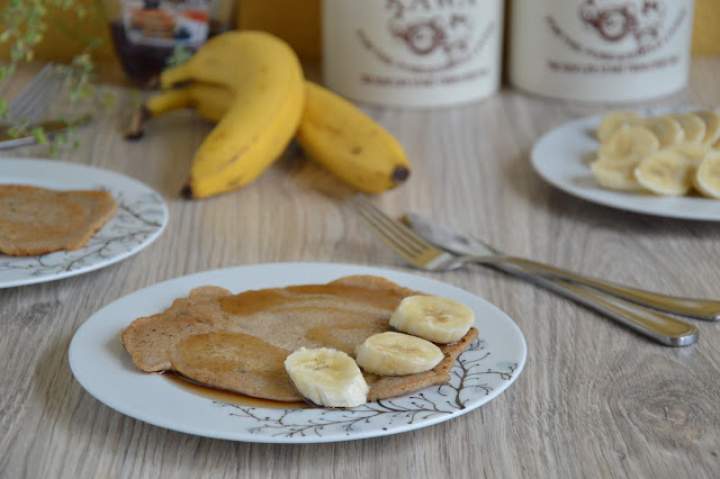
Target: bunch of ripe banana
251 84
665 155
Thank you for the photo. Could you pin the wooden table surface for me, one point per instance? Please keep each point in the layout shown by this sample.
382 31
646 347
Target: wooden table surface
595 400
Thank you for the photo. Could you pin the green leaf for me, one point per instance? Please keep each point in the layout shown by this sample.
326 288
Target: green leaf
23 25
17 52
6 71
14 131
108 99
39 134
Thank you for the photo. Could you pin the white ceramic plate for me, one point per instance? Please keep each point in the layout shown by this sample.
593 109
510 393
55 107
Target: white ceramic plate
141 217
104 369
561 157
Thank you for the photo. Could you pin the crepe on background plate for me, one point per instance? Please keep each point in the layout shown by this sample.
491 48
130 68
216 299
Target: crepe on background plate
35 221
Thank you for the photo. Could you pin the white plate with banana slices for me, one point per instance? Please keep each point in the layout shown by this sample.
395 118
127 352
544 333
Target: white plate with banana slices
103 367
569 158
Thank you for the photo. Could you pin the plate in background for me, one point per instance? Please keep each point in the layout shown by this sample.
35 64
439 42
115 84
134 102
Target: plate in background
140 219
562 158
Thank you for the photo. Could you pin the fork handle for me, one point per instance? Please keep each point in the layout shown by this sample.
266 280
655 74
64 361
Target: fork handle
708 310
659 327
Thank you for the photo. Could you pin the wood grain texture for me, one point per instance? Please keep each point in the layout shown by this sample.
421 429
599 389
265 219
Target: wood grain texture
594 400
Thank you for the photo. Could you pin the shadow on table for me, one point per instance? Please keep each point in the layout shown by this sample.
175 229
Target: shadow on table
311 177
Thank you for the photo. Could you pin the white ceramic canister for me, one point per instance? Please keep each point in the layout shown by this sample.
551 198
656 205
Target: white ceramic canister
601 50
412 53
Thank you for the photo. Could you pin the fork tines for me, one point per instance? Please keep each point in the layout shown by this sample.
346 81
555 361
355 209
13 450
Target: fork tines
399 237
32 102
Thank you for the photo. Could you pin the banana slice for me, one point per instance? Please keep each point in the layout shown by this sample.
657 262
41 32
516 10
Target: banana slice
616 174
694 153
437 319
397 354
629 142
665 172
667 129
712 126
693 126
327 377
615 120
707 176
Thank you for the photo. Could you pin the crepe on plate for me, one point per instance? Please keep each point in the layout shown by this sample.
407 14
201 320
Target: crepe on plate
239 342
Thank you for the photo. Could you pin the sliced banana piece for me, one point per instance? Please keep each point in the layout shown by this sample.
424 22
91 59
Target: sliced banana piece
437 319
616 174
327 377
707 176
397 354
693 126
665 172
667 130
694 153
629 142
615 120
712 126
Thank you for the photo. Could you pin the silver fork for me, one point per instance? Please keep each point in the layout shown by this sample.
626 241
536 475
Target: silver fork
484 253
422 255
32 103
705 309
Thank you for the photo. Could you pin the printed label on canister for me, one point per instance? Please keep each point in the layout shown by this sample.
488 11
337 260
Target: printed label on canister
601 50
165 23
412 52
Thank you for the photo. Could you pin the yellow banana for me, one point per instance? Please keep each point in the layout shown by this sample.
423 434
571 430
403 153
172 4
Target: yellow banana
226 60
331 131
349 143
210 101
266 81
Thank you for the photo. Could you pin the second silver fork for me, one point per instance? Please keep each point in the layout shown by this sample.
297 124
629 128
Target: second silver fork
422 255
477 251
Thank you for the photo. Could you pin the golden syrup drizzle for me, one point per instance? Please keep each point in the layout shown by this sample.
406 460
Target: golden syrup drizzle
228 396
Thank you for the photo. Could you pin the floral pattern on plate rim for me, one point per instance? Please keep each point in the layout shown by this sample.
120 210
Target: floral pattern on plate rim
474 375
137 218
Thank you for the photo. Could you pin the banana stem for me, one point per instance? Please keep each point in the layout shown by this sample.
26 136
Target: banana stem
137 124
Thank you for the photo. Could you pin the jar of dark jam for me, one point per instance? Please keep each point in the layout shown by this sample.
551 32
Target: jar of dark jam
146 33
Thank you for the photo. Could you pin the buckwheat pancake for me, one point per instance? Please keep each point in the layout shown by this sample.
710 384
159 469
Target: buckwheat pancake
36 220
238 342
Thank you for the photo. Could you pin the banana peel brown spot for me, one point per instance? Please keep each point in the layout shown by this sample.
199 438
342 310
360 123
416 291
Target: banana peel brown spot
400 174
186 192
236 182
240 153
